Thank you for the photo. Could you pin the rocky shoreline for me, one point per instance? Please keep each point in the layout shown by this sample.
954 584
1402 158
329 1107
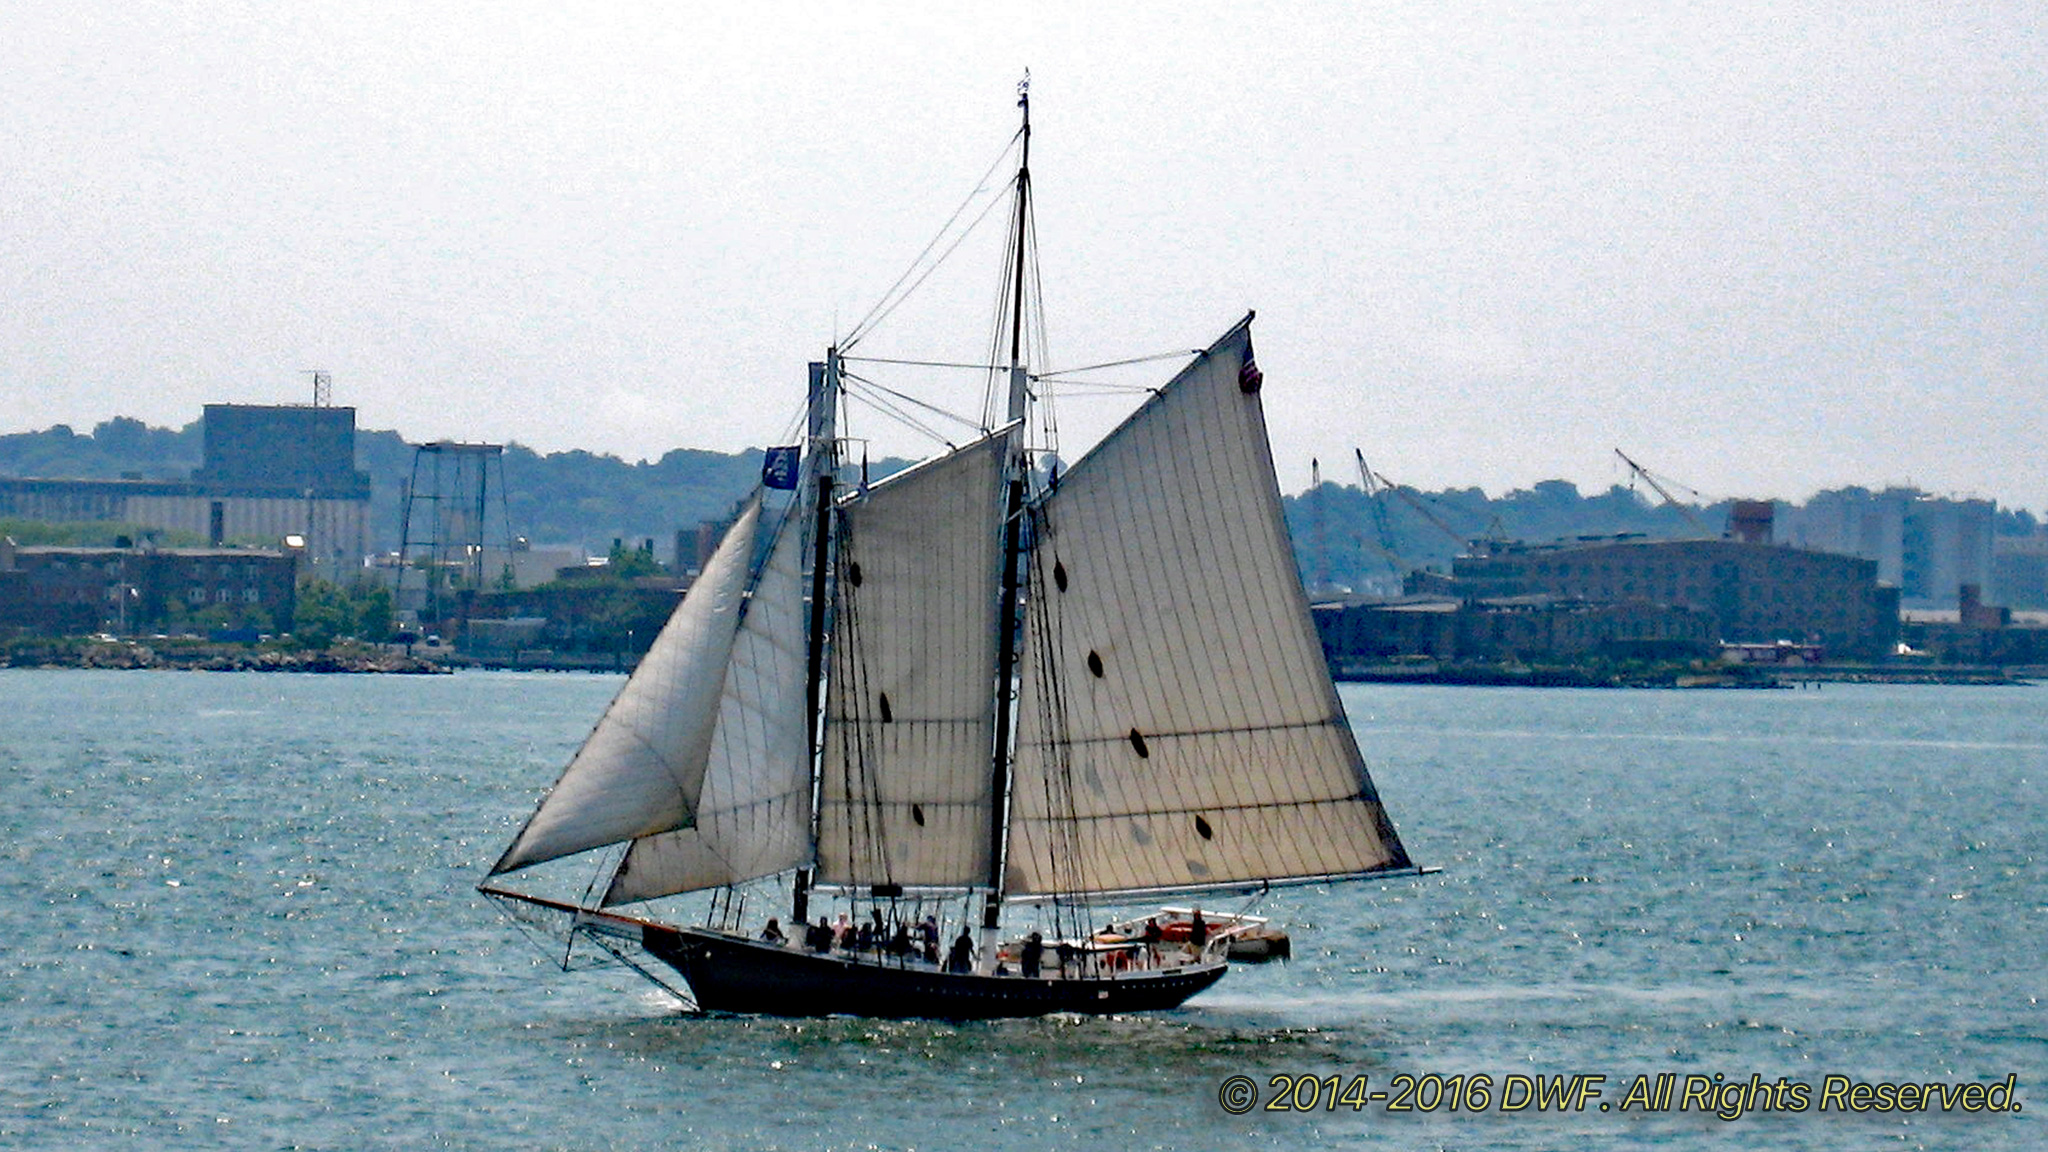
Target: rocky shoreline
203 657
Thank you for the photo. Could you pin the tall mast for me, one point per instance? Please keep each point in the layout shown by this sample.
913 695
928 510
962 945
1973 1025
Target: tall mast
1013 509
823 406
1017 272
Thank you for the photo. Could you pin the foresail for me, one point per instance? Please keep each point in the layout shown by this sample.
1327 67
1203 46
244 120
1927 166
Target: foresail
640 770
1177 727
753 812
904 789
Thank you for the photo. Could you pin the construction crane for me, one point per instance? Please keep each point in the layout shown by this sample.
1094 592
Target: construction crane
1379 513
1684 510
1415 502
1316 533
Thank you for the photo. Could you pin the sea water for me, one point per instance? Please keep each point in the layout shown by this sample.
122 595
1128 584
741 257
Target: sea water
239 911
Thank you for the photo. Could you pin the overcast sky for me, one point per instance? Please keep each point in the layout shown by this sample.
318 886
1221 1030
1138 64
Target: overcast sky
1765 249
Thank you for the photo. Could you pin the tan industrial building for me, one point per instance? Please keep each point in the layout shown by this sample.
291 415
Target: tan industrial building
269 472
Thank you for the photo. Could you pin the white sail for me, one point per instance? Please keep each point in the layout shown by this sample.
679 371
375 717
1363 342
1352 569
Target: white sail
904 790
753 814
642 767
1177 727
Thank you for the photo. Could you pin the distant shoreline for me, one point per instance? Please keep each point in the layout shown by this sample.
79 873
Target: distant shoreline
1737 677
195 656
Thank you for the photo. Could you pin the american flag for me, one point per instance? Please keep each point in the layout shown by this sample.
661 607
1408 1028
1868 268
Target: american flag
1249 377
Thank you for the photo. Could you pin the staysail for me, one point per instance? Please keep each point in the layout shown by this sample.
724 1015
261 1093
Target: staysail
904 788
1176 725
753 811
642 768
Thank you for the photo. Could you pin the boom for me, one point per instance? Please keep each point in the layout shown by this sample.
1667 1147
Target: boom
1684 510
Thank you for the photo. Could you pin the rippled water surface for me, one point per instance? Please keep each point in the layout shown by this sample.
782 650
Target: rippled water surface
239 912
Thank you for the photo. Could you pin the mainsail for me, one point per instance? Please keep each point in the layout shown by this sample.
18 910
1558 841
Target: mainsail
1177 727
905 790
642 768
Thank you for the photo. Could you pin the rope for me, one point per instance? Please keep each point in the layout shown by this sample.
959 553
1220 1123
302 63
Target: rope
914 402
886 304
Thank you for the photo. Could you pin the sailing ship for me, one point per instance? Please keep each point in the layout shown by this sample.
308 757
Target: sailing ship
984 683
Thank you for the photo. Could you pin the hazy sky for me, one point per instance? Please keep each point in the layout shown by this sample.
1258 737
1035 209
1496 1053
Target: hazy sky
1765 249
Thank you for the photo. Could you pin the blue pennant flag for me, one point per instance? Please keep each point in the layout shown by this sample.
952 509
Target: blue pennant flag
778 468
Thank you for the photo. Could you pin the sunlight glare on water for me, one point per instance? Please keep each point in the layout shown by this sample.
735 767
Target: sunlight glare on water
240 911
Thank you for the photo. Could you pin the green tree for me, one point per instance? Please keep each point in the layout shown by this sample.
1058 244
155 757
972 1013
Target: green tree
324 614
374 618
625 563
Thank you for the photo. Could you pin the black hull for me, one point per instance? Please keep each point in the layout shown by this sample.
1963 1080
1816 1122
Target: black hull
734 974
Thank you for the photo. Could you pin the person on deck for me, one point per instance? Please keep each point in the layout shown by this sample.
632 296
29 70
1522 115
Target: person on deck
1198 932
1034 951
773 932
961 957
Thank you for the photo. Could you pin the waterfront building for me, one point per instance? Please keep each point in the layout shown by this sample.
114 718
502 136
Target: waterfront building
1752 592
2019 571
268 472
73 591
1512 629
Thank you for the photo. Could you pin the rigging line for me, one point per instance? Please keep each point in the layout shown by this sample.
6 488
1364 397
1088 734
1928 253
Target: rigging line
1073 387
1058 782
1031 683
915 402
1036 296
994 383
980 188
920 363
1175 354
1012 294
882 400
904 418
882 310
1063 849
861 741
1049 418
863 800
845 689
795 422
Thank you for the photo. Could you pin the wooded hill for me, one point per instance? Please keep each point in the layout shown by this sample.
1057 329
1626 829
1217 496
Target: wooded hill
575 498
1342 537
